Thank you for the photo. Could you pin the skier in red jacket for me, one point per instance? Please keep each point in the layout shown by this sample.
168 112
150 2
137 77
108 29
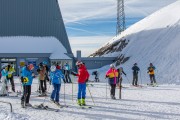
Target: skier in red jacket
83 77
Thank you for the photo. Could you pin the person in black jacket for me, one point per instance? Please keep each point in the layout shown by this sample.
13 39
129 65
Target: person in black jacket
135 69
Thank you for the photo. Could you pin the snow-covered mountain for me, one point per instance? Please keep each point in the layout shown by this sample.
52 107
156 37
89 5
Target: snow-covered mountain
155 39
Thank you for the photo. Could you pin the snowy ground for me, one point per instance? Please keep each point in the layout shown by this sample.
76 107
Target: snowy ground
147 103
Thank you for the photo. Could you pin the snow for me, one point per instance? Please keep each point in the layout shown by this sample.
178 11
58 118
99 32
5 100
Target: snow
154 39
147 103
27 44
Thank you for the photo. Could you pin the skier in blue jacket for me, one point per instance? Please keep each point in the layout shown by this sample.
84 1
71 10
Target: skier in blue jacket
26 79
55 77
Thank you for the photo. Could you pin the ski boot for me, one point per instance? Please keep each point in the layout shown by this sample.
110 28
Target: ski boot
79 102
83 102
57 103
28 105
23 104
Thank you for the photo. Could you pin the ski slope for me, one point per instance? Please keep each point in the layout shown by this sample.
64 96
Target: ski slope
155 39
147 103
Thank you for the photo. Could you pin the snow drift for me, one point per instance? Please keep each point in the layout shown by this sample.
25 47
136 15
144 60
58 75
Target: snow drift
155 39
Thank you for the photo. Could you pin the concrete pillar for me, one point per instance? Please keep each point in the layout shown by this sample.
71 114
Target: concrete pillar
78 54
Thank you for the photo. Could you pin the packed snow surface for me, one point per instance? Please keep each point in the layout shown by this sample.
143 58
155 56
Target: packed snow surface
146 103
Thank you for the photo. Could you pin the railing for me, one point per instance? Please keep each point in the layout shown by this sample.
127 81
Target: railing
9 104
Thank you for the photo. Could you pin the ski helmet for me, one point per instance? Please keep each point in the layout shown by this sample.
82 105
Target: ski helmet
135 63
44 62
79 63
112 66
53 68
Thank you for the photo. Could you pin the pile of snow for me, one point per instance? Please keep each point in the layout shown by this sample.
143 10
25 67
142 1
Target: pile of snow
27 44
154 39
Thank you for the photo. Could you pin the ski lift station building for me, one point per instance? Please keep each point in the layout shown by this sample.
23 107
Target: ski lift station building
32 31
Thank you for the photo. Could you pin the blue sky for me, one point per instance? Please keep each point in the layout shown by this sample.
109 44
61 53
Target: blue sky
91 23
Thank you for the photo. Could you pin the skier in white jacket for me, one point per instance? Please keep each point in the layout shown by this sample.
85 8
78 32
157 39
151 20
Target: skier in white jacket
4 89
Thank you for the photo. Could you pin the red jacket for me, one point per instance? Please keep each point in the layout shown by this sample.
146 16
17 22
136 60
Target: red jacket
83 74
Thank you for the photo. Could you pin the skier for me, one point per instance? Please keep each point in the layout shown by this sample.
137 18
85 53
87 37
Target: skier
120 72
41 77
26 79
96 73
55 77
10 70
112 74
46 72
83 77
135 69
151 72
4 88
66 73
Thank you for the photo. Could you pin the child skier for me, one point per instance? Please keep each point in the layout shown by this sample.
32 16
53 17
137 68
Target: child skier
26 79
112 74
4 89
83 77
55 77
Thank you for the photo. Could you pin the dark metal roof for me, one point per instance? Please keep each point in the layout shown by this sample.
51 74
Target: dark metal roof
33 18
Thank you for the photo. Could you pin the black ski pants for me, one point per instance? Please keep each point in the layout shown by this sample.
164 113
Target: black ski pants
11 79
152 78
26 93
135 79
113 88
42 85
67 77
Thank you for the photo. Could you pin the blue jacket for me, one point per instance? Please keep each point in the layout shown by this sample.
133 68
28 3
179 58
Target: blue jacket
27 73
66 67
56 77
4 72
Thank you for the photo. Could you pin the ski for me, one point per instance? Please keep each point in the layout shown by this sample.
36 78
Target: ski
152 85
59 106
85 106
42 107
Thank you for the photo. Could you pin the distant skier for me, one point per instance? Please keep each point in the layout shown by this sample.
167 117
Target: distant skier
112 74
96 73
4 88
151 72
83 77
55 77
67 72
135 69
26 79
10 70
120 72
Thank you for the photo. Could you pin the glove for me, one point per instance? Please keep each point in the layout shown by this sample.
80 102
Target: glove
73 73
87 80
22 79
107 76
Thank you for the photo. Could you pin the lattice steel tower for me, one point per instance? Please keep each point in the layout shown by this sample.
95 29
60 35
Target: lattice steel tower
121 25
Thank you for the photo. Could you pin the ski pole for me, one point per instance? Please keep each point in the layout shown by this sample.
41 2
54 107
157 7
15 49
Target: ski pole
90 95
72 88
140 77
46 96
64 94
128 79
106 89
